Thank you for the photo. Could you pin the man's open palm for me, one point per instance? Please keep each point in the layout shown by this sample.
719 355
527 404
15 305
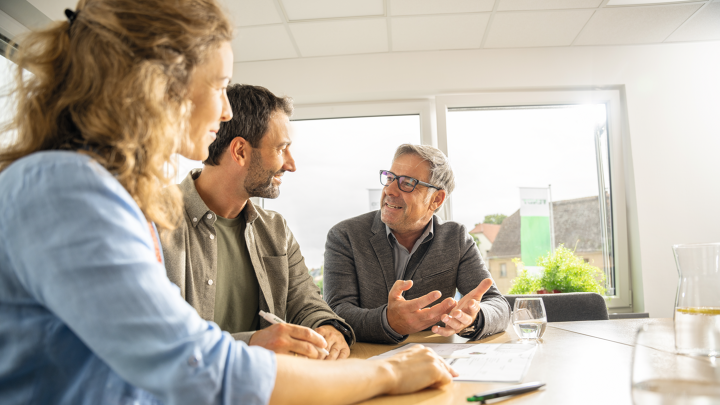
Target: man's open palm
410 316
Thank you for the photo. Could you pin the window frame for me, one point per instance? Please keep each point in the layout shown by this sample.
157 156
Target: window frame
433 112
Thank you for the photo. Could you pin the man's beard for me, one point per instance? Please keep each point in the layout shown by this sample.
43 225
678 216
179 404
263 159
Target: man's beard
258 182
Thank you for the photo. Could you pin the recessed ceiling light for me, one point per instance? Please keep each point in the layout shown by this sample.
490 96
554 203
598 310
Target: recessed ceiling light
643 2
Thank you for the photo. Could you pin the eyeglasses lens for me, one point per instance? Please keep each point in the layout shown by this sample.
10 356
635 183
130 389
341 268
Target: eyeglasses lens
386 178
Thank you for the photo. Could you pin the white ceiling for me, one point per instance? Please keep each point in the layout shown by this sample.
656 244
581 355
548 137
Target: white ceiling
286 29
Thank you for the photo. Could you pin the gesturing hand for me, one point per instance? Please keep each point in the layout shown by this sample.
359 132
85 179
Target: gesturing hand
466 312
336 344
406 317
286 338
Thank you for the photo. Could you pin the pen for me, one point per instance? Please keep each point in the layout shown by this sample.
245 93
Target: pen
275 320
502 392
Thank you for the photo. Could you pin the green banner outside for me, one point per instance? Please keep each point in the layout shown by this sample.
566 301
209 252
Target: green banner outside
534 238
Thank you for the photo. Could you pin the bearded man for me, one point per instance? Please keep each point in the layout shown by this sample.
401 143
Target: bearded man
231 258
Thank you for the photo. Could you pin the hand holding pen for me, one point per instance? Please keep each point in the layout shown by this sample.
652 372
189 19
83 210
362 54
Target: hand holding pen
285 338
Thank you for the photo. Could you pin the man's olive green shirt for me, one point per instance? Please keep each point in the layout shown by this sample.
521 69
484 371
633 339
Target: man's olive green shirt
286 288
236 288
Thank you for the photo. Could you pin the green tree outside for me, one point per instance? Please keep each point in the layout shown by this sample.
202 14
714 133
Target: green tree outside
495 219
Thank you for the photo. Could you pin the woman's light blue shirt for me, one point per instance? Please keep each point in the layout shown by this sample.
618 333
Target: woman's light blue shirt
87 314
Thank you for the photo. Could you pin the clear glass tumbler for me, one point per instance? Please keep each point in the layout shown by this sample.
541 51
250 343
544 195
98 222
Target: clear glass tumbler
529 319
697 304
662 377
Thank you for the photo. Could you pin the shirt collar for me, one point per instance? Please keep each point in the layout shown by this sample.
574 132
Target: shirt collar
196 208
427 235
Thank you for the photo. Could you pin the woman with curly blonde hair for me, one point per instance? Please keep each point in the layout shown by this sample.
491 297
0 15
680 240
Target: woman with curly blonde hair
87 314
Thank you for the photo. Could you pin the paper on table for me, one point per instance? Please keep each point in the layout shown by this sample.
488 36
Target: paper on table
505 362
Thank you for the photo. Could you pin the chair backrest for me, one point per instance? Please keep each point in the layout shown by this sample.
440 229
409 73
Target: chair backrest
566 307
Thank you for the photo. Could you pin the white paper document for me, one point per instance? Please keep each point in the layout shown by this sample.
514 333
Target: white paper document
505 362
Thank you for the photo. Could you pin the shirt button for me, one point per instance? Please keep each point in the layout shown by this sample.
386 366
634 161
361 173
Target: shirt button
194 219
212 236
192 361
210 282
209 216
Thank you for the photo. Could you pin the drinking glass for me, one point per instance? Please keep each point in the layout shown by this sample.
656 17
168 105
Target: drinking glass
529 319
697 304
662 376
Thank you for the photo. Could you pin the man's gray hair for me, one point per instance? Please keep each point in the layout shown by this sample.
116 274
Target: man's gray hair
441 173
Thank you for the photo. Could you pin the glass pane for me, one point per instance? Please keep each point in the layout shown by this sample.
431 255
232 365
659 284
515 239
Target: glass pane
338 163
561 154
8 70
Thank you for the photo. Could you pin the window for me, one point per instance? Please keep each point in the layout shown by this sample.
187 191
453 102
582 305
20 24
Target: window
497 143
7 76
558 144
337 174
496 151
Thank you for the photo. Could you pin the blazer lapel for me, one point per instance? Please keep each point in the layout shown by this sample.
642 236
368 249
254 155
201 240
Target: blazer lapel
383 252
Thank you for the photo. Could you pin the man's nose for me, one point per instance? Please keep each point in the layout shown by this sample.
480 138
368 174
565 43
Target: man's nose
393 188
289 162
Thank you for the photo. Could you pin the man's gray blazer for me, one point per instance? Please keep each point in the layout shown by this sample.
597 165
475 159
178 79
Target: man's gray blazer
359 273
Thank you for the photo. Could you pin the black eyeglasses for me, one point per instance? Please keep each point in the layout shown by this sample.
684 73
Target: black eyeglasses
405 183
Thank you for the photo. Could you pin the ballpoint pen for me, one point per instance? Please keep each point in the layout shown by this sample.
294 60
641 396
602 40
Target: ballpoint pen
275 320
503 392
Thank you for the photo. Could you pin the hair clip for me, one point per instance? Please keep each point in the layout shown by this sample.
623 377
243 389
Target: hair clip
71 15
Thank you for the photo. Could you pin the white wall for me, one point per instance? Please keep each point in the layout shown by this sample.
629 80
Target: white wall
673 106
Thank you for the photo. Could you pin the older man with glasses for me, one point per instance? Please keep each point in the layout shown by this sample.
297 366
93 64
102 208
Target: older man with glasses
393 272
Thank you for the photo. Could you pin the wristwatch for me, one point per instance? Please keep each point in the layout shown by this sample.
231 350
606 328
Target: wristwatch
347 334
470 331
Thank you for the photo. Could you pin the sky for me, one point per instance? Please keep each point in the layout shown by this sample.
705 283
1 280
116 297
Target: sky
495 152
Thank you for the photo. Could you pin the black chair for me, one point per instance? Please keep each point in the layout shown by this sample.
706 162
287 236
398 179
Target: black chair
567 307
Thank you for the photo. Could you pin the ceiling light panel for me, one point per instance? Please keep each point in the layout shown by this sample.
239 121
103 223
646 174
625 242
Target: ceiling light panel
611 3
420 7
515 5
262 43
634 25
341 37
323 9
253 12
703 26
438 32
535 29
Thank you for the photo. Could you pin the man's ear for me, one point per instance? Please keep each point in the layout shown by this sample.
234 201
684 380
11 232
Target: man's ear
437 199
240 150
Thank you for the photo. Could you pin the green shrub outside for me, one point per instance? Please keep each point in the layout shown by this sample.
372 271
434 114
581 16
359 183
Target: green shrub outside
563 271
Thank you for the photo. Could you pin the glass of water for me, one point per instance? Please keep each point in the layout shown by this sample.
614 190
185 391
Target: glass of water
529 319
661 375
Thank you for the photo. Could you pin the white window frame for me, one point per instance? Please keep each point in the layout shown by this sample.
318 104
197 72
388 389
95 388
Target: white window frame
433 131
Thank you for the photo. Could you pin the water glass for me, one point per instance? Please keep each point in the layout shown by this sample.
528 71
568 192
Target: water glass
662 376
529 319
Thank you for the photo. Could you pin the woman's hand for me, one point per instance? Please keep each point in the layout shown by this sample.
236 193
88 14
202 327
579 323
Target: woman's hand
417 368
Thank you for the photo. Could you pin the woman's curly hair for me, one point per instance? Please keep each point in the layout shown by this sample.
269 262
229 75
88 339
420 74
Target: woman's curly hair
114 84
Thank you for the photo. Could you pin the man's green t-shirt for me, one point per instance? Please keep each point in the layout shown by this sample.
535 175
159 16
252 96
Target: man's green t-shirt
237 290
